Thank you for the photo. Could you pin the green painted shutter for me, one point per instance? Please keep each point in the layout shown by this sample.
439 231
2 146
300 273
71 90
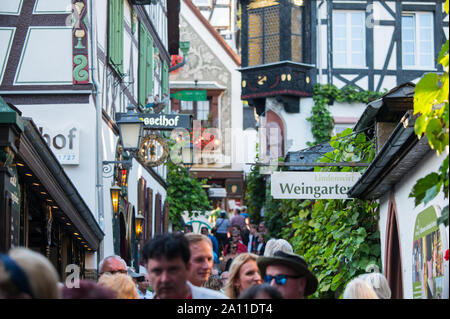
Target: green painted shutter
142 63
115 44
149 67
145 64
165 79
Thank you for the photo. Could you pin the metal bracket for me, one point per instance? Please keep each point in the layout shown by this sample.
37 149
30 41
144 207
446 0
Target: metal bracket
108 167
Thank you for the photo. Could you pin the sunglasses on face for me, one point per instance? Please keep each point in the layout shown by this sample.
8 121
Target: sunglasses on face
279 279
233 247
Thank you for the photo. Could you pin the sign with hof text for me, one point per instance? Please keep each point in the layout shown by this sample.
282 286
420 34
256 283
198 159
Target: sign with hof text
312 185
166 121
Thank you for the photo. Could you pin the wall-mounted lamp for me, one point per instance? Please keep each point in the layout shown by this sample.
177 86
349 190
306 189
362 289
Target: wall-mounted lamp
115 191
130 131
139 219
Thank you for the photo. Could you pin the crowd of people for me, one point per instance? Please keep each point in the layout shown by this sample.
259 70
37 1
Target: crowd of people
187 265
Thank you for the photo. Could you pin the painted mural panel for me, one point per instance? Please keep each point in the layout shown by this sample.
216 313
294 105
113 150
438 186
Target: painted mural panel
46 62
428 257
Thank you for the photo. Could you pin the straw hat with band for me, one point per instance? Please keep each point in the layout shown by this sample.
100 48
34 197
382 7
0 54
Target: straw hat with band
294 262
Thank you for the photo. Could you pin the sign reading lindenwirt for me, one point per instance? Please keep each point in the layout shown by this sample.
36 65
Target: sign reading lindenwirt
166 121
312 185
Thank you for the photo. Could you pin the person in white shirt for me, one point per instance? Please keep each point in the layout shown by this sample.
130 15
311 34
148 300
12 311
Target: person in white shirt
167 258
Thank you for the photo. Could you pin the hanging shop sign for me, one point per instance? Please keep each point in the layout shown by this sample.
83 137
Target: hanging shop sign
190 95
429 269
217 192
312 185
166 121
154 150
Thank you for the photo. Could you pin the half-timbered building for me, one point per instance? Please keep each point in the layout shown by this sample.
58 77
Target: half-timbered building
71 65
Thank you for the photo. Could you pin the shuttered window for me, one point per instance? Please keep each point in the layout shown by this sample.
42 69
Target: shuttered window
115 41
145 65
164 79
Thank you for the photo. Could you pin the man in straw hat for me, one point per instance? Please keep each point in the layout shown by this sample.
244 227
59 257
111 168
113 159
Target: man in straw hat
289 274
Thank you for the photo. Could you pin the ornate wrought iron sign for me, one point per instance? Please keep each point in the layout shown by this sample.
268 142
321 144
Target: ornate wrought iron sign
154 150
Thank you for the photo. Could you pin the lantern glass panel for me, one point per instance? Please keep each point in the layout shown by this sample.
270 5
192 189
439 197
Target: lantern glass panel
130 135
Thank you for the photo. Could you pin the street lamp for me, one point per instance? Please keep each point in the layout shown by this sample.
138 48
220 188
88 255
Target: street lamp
139 219
130 129
115 190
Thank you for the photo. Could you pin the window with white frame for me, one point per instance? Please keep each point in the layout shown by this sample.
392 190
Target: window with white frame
417 40
186 105
349 34
202 110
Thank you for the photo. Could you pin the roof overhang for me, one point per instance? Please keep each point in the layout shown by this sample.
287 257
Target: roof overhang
398 156
41 160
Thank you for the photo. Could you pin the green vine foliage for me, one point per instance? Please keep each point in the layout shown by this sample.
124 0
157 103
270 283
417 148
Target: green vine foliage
184 193
325 94
339 239
431 104
255 194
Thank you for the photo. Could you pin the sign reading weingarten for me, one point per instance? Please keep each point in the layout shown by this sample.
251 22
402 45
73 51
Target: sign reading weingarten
312 185
166 121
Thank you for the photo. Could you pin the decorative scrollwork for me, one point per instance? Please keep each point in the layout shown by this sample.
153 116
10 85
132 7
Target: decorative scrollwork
108 170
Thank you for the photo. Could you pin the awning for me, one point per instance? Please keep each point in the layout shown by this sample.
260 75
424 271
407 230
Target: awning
38 157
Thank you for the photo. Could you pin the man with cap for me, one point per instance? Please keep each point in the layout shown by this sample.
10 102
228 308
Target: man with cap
142 282
289 274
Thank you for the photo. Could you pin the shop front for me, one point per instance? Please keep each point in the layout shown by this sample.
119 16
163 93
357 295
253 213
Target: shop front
40 207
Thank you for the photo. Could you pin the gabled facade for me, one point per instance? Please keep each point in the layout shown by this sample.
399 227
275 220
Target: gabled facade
211 66
290 45
71 66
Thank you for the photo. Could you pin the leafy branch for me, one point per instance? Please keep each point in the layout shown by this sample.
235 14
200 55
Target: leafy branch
431 104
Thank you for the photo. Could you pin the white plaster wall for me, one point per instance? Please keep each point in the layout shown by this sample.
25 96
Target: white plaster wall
380 13
298 129
81 116
382 39
100 15
109 142
407 214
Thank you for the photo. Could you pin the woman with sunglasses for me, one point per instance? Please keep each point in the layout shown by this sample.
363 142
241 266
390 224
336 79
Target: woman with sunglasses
244 273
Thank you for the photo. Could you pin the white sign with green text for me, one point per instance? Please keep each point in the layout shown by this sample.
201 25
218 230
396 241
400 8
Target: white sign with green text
312 185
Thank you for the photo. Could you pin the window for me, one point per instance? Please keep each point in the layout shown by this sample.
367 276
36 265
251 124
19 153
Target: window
186 106
145 65
296 34
199 109
417 40
115 43
263 35
202 110
349 39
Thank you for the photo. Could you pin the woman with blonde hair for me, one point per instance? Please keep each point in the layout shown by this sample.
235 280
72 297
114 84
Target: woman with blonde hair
243 274
121 284
28 274
357 288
